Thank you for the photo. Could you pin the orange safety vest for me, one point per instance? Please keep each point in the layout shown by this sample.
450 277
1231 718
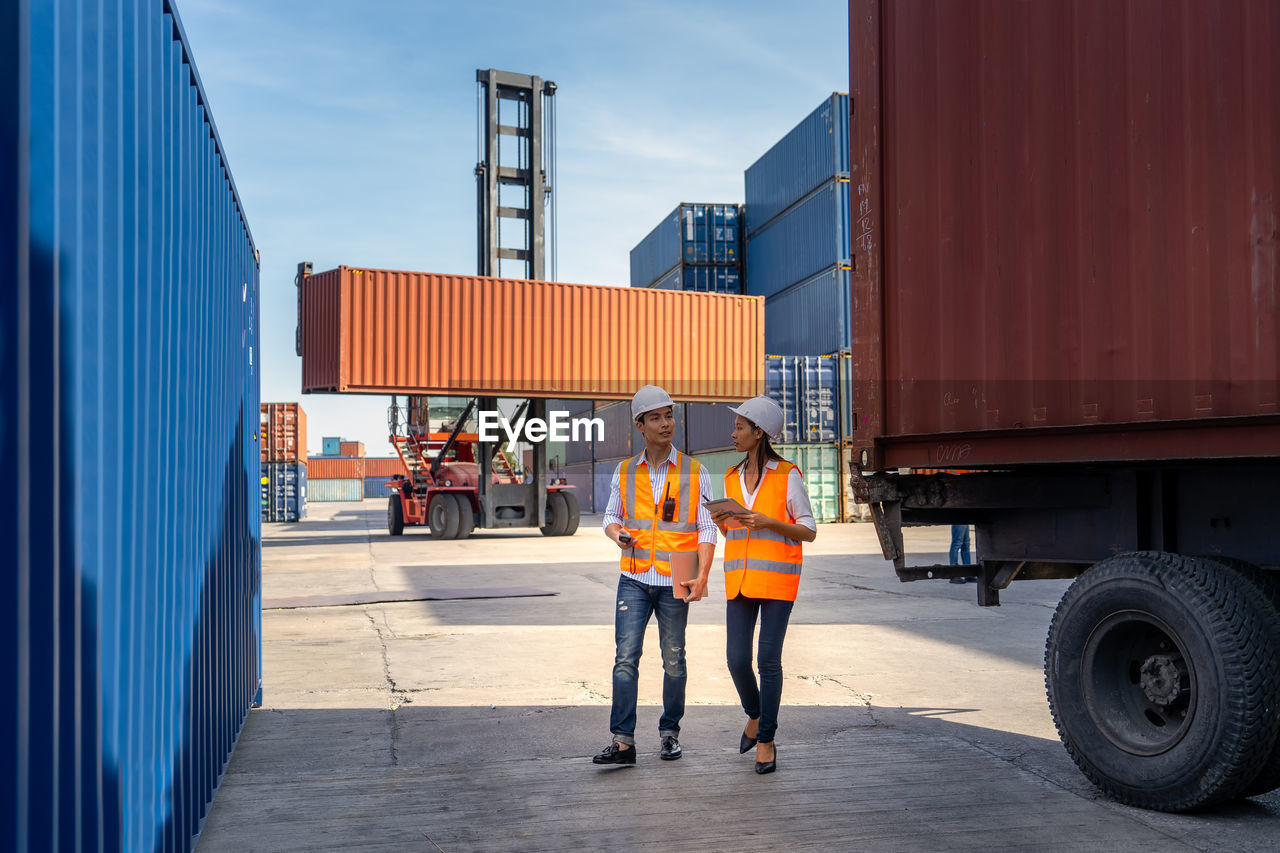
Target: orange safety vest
761 563
654 539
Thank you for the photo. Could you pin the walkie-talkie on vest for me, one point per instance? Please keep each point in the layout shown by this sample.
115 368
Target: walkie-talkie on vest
669 506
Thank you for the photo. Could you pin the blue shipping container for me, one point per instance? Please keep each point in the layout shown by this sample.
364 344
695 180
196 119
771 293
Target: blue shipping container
710 278
812 391
329 490
376 487
284 491
331 446
131 520
809 238
812 153
690 234
811 317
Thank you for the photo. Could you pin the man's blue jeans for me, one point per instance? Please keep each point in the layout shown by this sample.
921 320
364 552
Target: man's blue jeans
636 603
960 545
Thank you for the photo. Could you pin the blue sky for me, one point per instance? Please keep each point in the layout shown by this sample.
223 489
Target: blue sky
351 131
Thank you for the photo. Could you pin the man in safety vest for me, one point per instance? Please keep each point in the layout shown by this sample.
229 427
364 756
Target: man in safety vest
656 517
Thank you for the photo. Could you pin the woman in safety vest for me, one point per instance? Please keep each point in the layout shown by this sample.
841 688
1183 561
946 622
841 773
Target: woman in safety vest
762 562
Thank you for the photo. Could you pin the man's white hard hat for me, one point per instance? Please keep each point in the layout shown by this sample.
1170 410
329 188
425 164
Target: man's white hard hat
765 413
648 398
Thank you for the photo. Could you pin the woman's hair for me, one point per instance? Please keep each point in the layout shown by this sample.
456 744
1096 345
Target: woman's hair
764 451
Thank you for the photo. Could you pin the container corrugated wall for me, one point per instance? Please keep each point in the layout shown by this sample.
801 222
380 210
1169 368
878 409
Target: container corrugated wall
813 392
351 448
810 238
382 331
331 445
335 468
376 487
283 432
284 491
1078 267
385 467
689 240
812 317
708 426
582 477
329 490
812 153
129 423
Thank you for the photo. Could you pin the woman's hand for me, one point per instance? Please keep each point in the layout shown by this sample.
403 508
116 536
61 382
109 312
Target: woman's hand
754 520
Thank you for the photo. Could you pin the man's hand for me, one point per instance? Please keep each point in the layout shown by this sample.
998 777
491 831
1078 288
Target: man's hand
695 589
622 538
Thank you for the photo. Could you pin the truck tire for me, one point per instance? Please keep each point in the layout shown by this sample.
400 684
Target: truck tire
466 516
556 518
395 516
575 513
1268 779
1162 681
443 516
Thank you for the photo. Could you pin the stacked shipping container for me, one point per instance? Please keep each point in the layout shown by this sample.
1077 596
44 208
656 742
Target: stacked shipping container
335 478
797 220
378 472
283 428
130 523
695 247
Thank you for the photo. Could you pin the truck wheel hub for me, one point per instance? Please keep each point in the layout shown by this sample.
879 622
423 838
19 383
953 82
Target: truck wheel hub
1161 679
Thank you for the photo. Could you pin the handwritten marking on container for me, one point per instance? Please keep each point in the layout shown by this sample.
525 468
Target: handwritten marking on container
954 452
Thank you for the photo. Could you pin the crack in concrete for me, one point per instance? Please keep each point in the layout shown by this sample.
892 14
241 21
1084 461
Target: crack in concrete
591 692
398 697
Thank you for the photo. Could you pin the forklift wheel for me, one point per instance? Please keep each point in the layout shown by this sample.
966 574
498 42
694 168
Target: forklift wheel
395 516
466 516
443 516
575 513
556 519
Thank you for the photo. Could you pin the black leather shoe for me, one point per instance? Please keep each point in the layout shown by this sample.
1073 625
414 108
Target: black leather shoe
763 767
745 743
615 754
670 749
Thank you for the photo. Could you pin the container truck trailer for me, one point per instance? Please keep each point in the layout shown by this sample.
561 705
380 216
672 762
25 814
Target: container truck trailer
1065 284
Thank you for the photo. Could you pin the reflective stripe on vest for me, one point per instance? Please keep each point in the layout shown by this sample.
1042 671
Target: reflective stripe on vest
762 563
656 540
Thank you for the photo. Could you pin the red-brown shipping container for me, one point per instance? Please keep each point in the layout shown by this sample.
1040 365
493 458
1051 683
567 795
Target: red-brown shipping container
282 432
1065 228
351 448
384 467
335 468
382 331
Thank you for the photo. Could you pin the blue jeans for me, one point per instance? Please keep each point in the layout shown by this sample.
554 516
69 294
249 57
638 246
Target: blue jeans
636 603
760 702
960 545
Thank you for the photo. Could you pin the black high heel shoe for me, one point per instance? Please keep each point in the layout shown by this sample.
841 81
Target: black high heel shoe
763 767
745 743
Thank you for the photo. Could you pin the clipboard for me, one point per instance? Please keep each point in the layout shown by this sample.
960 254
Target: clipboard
728 505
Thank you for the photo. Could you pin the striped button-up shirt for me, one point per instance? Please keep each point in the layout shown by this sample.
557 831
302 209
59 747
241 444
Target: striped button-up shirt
707 529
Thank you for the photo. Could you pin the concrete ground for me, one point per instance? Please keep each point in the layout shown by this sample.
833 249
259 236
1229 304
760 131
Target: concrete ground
912 719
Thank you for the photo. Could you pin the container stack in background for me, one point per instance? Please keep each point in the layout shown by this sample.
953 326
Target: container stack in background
283 428
795 230
695 247
338 473
798 243
378 471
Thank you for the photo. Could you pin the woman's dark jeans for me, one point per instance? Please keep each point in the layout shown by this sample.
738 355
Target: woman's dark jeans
759 701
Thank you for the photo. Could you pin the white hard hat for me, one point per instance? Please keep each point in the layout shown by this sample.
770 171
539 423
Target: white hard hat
765 413
648 398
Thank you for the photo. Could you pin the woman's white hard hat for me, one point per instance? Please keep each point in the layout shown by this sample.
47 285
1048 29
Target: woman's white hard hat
765 413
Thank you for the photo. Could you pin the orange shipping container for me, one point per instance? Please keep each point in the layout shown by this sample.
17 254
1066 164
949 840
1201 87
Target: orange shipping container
334 468
385 467
351 448
381 331
283 432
